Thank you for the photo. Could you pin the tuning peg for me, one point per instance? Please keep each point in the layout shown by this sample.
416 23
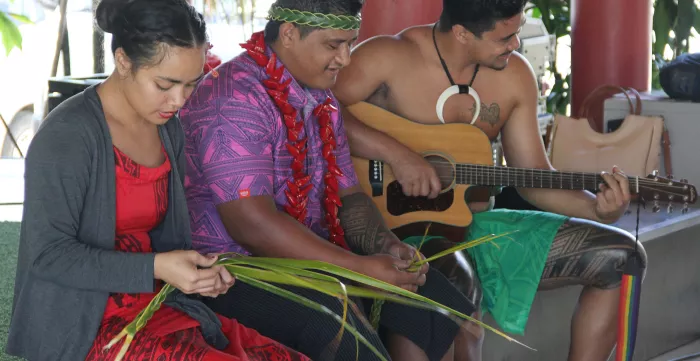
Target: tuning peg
669 176
654 172
669 210
685 208
684 181
656 207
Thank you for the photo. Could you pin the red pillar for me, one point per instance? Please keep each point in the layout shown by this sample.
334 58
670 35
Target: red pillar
388 17
610 44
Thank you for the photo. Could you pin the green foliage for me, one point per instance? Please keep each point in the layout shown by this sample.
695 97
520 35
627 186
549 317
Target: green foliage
555 16
672 24
11 37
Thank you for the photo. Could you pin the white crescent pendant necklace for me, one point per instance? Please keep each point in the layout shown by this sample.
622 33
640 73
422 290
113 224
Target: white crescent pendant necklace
455 88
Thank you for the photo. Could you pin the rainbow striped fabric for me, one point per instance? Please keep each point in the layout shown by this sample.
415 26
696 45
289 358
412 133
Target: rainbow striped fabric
630 292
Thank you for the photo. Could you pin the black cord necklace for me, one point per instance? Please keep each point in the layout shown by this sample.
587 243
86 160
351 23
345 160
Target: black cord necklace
444 65
455 88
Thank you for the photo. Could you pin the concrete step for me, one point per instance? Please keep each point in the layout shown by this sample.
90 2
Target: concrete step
689 352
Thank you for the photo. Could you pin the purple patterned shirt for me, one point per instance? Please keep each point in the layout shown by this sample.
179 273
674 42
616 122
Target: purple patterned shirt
235 148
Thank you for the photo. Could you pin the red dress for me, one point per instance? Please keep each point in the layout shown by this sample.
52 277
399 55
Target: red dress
170 335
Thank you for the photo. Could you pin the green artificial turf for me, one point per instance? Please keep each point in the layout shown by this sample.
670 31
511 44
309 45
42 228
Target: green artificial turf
9 243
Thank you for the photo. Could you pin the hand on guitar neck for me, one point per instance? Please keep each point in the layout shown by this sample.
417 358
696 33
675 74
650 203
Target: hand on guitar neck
613 197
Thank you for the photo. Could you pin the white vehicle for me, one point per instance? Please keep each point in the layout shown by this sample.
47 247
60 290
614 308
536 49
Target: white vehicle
24 73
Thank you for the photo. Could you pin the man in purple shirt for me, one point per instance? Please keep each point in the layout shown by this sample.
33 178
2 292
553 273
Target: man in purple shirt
269 174
238 150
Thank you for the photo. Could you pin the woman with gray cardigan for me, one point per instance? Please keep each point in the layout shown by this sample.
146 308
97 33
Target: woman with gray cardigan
105 219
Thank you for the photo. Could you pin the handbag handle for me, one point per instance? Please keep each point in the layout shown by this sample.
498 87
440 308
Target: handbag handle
638 106
604 91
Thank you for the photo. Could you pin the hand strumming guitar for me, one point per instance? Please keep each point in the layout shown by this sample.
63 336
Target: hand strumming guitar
416 176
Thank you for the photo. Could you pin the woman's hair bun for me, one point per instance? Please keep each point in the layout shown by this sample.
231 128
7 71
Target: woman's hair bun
108 14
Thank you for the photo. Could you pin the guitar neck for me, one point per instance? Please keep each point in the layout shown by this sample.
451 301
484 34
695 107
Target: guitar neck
485 175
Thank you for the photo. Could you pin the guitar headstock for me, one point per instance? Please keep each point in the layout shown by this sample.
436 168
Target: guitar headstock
661 190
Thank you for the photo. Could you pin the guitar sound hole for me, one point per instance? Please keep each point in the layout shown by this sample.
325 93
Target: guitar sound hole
444 168
398 203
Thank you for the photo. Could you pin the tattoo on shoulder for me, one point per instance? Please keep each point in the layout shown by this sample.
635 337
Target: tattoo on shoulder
365 229
490 114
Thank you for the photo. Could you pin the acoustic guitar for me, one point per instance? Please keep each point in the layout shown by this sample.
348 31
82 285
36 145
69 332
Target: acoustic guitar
463 157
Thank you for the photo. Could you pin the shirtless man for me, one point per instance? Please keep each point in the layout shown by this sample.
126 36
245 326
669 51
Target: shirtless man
474 43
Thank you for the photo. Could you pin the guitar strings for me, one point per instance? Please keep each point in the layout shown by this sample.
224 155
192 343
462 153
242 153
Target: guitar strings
577 188
580 184
577 184
488 171
577 180
489 168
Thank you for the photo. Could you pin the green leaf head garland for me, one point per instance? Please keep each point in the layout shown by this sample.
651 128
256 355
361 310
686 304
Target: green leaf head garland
316 20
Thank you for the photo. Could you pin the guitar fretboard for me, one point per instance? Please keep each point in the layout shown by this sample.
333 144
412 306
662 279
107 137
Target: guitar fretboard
485 175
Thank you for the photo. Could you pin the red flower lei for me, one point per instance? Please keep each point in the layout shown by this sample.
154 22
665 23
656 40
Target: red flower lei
298 190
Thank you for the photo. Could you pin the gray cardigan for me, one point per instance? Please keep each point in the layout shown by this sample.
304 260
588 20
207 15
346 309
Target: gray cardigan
67 264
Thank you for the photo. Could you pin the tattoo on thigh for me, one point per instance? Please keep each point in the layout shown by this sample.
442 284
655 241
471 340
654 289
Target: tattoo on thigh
584 254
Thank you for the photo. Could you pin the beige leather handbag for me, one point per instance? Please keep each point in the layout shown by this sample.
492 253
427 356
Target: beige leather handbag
635 147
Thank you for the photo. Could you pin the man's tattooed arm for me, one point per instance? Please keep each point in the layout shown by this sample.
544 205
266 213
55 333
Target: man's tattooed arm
365 230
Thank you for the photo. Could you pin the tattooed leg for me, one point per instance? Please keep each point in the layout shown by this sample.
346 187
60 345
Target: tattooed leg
593 255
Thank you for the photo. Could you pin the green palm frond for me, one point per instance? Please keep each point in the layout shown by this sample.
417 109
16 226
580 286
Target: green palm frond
337 282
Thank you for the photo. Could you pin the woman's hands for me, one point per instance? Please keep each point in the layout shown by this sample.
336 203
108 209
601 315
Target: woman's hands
191 272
